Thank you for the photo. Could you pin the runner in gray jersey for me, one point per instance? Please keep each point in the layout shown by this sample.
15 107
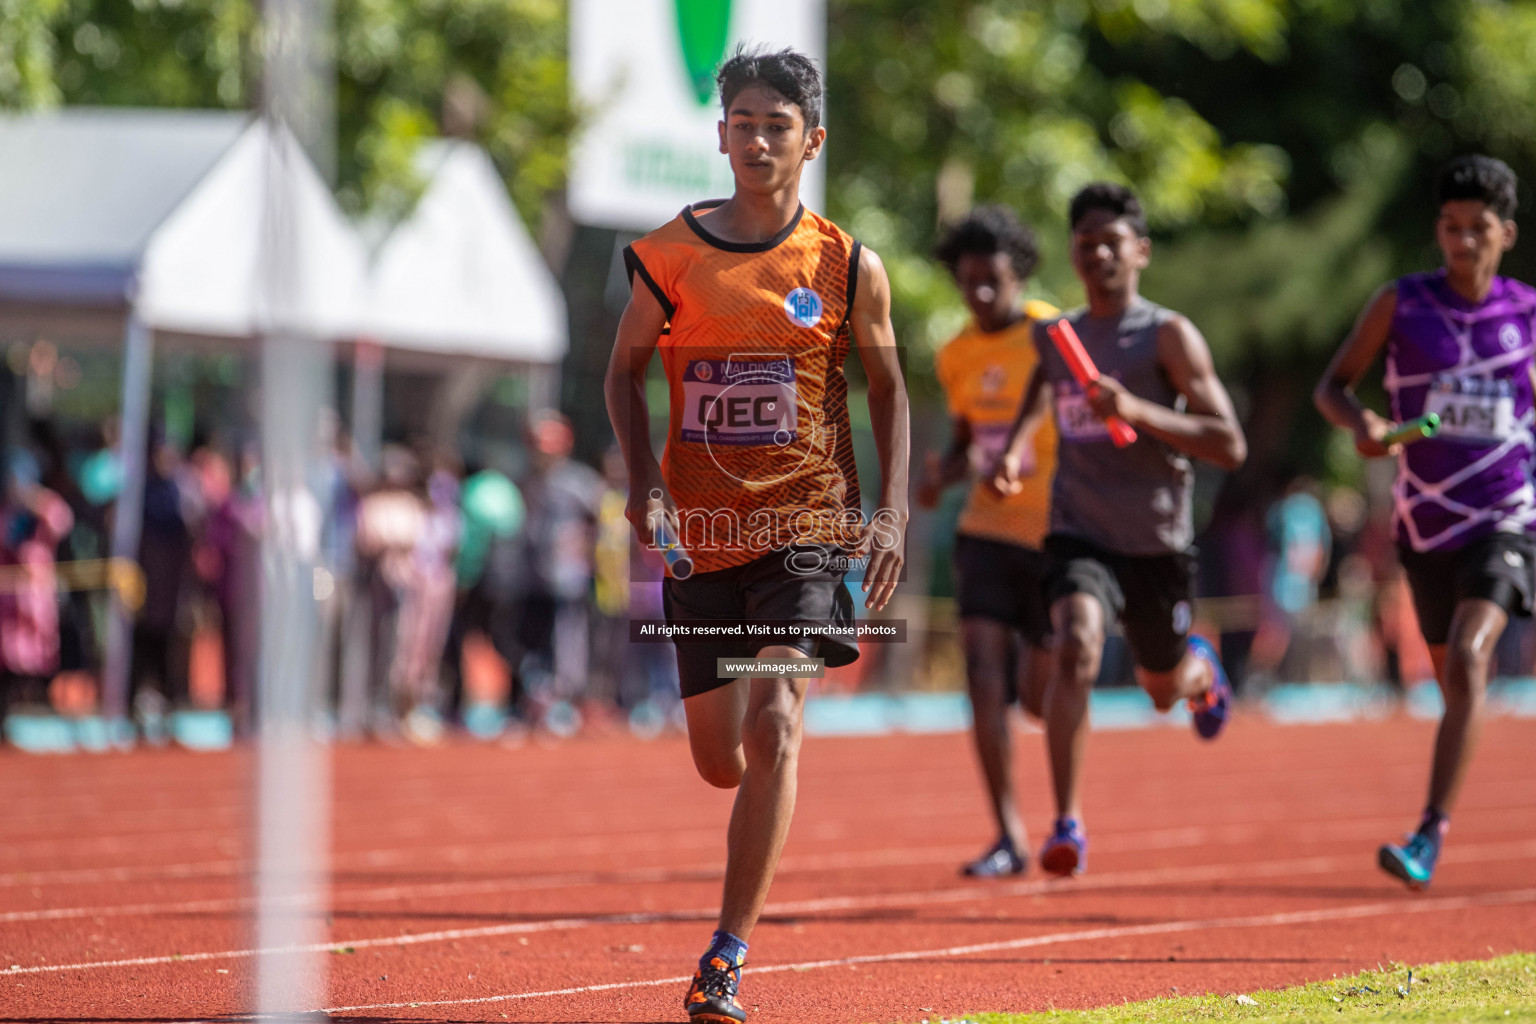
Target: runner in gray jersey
1121 526
1097 483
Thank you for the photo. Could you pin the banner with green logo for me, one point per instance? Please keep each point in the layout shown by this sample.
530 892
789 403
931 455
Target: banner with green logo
643 71
704 28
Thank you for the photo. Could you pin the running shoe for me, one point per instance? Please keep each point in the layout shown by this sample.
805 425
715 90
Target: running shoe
712 996
1066 852
1211 709
1413 862
1000 861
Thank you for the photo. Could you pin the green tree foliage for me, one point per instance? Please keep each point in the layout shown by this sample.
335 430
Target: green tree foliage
27 52
1285 150
492 70
1368 99
998 101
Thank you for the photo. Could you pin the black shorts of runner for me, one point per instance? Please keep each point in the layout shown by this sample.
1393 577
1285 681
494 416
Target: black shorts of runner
1002 582
1149 594
802 584
1497 568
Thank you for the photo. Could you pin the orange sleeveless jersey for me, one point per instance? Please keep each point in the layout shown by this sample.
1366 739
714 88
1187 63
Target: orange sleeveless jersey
759 454
984 377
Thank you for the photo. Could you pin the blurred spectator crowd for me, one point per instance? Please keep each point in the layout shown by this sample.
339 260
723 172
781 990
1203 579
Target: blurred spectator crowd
495 599
451 596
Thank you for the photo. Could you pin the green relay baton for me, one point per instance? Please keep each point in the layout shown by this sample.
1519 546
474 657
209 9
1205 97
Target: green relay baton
1414 430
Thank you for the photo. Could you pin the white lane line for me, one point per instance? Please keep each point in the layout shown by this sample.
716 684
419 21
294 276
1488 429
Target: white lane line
1359 910
1223 871
459 853
463 853
709 871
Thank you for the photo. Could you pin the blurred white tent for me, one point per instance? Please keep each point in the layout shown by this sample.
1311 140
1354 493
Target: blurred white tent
460 275
457 286
132 227
161 213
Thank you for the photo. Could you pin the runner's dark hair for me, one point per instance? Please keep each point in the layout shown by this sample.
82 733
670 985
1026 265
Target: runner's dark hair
1107 195
787 72
1479 177
987 230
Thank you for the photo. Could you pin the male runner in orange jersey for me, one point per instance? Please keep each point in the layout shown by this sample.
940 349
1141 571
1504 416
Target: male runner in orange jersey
752 302
999 568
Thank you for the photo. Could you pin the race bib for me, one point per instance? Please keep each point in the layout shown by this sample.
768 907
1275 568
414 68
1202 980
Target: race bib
1076 420
1472 409
987 443
740 402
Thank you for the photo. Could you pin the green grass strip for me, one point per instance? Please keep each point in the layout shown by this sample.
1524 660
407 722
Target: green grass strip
1474 992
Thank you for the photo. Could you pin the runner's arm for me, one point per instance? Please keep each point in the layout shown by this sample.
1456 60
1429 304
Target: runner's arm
952 467
1207 428
1334 395
624 389
875 339
1016 457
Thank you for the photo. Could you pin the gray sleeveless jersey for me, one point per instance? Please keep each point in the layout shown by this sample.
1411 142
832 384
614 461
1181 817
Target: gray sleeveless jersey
1133 500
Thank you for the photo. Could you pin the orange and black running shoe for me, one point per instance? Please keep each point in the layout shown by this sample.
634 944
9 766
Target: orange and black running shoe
712 996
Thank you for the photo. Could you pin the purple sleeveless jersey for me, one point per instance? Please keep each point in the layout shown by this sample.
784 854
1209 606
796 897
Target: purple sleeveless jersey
1470 364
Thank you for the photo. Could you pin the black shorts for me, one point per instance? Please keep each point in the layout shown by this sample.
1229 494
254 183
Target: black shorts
1003 582
1497 568
764 588
1149 594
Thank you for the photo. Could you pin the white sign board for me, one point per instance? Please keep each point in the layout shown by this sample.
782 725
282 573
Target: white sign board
643 71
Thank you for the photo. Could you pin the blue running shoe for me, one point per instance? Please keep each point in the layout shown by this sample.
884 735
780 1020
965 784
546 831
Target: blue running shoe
1211 709
1413 862
999 862
1066 852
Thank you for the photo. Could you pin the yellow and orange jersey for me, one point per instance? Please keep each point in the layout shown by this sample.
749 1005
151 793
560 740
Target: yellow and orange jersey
759 453
984 376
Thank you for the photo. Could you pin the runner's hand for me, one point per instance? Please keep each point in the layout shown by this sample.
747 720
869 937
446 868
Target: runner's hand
1108 398
1370 435
884 541
647 500
1007 476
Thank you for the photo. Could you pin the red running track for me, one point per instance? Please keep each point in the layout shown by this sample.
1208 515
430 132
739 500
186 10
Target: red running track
480 883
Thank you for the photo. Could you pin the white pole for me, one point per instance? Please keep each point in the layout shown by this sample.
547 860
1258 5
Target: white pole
293 768
127 523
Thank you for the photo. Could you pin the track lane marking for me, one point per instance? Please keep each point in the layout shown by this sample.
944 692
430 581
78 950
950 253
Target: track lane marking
1359 910
678 875
1158 876
1108 841
489 844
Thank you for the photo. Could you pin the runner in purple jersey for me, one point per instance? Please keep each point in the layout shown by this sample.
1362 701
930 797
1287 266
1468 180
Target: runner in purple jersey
1459 344
1468 362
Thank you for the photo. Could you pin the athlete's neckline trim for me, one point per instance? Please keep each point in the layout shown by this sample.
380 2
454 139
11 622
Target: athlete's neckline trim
1025 320
1082 312
1457 300
720 243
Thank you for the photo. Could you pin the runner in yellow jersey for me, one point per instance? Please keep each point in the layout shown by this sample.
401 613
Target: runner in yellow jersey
1004 621
754 303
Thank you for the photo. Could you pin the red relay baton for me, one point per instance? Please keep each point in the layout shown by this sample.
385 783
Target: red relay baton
1087 375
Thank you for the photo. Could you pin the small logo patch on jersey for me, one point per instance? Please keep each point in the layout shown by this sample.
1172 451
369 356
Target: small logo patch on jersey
1513 559
993 378
1509 337
1183 617
703 371
803 307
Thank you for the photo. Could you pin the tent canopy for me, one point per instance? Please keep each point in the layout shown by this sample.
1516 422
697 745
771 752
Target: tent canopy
460 275
82 191
101 209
